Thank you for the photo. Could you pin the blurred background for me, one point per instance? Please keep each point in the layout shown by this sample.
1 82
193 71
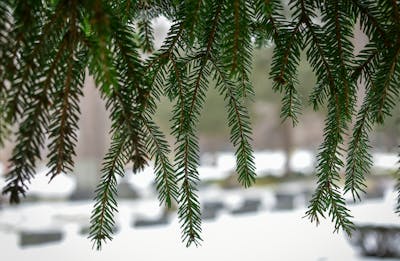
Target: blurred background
264 222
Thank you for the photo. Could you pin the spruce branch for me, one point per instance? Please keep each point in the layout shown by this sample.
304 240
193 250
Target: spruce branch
327 196
239 121
383 98
165 178
359 160
397 207
369 21
102 220
64 118
30 135
46 47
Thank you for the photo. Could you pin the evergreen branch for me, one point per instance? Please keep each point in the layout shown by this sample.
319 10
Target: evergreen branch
239 122
159 64
285 62
290 48
236 5
370 22
102 221
382 98
327 196
187 158
364 65
205 57
65 116
291 104
187 161
318 60
24 56
165 179
238 52
64 119
342 60
131 76
192 14
30 136
396 12
359 160
145 29
45 47
189 207
397 207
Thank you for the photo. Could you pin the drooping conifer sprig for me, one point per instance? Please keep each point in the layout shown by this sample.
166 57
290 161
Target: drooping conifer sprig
239 122
37 96
397 207
286 58
187 158
327 196
47 46
378 68
103 219
5 25
237 43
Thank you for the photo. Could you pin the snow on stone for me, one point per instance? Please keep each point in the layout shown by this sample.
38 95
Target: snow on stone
381 211
62 186
302 161
270 162
226 161
387 161
212 173
142 180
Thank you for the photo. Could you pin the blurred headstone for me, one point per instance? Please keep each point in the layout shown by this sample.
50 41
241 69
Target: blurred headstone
210 209
377 241
31 238
84 231
147 222
248 206
284 201
126 191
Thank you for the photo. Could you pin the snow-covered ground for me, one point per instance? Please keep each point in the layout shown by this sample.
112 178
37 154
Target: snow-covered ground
264 235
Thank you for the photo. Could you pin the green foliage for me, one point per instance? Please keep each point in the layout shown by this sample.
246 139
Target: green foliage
46 47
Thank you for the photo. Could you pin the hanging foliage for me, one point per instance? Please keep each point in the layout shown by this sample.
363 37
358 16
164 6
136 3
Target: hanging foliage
47 47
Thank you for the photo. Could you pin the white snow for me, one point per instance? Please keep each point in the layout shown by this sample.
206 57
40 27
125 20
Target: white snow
143 179
212 173
302 161
388 161
61 186
2 169
270 163
226 161
262 236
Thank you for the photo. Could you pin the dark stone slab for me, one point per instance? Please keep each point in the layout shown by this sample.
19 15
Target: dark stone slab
80 194
31 238
210 209
377 241
84 231
144 222
126 191
284 201
248 206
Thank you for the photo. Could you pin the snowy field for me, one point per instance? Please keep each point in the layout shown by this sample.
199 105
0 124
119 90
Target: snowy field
265 235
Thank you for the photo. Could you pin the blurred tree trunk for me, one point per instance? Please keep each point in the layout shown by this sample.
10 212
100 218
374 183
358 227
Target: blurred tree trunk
287 140
93 141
